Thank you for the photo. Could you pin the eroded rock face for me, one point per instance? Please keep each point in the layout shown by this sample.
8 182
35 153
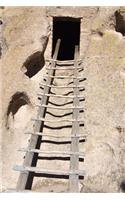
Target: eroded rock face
26 42
25 31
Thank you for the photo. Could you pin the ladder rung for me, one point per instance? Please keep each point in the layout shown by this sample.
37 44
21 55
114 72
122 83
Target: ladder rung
60 120
47 171
59 108
63 68
62 153
61 86
9 190
66 77
55 136
65 61
59 96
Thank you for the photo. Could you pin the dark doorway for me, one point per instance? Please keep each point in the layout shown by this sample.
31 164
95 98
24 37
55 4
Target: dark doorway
68 30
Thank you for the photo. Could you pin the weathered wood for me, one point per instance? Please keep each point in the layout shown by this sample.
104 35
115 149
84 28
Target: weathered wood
74 153
62 153
14 190
66 77
64 61
59 96
59 108
56 136
61 86
59 120
74 161
23 178
63 68
37 170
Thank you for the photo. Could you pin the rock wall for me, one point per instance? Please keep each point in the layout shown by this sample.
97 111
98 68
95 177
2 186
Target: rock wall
25 31
26 42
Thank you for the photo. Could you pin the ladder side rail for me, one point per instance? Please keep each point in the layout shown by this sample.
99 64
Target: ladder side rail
74 159
23 177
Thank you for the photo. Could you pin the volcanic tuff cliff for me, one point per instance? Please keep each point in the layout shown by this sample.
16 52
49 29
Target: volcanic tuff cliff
26 40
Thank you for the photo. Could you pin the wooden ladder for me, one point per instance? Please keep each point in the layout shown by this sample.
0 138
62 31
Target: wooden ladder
28 167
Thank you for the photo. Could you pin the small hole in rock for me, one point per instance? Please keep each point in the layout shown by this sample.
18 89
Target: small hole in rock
0 51
100 33
1 22
120 23
2 7
18 99
122 186
33 64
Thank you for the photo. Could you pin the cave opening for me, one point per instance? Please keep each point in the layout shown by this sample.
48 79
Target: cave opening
120 23
68 30
122 186
17 100
33 64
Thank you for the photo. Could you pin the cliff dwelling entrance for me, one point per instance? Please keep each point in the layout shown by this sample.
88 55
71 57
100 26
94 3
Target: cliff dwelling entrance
68 30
